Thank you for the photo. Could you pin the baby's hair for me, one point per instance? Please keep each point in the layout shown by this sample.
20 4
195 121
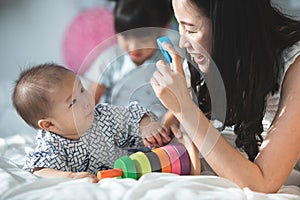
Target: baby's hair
133 14
32 92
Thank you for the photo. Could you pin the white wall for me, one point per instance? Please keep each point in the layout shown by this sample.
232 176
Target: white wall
31 32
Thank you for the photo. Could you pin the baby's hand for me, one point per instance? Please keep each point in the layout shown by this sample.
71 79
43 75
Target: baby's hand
85 175
154 133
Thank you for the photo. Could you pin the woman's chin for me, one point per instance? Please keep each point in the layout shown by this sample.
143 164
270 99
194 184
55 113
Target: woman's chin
203 64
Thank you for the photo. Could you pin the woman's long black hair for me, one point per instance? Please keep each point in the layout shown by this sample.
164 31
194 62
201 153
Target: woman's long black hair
248 39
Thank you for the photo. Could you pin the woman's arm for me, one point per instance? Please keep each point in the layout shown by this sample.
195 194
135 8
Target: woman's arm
279 151
169 119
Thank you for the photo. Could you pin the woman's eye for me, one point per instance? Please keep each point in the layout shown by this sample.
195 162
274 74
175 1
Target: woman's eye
72 103
189 32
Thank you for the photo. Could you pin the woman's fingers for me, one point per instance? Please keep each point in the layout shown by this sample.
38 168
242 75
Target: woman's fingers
176 64
165 133
176 131
163 69
162 136
160 77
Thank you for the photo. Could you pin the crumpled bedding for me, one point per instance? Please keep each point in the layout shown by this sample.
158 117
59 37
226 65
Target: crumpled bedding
18 184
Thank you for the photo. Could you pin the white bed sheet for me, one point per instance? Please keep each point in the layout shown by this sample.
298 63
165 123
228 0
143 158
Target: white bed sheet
18 184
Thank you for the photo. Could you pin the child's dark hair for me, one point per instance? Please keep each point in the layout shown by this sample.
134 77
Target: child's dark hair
32 92
132 14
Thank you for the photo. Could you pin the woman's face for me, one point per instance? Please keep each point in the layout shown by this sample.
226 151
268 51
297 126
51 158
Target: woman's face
194 29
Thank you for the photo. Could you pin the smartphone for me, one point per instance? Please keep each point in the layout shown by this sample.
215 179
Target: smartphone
164 52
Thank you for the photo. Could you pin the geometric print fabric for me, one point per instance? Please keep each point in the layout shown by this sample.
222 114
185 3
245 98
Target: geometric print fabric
114 132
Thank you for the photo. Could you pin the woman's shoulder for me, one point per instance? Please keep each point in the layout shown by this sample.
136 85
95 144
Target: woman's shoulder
290 54
289 57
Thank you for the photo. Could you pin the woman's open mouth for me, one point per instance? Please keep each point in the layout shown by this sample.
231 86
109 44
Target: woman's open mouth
199 59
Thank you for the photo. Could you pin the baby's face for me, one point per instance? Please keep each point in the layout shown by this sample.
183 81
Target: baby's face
139 49
73 110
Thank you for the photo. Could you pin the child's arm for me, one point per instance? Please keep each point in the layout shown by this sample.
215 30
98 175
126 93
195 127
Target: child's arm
53 173
153 132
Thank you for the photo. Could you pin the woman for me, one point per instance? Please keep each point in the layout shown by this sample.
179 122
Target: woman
256 50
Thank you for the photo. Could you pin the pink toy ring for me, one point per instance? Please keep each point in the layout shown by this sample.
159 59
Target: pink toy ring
174 158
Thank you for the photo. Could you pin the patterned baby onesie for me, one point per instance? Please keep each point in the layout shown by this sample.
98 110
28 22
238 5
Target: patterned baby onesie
115 130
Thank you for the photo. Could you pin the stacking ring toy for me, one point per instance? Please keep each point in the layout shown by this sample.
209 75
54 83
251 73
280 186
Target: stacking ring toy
184 158
127 165
141 162
123 168
177 158
154 161
163 159
193 153
174 158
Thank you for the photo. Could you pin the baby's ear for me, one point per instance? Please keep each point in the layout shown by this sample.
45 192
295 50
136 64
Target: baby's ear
46 124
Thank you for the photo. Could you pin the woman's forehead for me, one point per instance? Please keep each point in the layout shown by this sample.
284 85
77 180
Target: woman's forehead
185 10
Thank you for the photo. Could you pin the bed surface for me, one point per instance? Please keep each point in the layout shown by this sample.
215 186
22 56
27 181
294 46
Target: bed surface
18 184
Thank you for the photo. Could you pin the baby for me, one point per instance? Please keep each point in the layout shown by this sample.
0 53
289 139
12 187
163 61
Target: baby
76 139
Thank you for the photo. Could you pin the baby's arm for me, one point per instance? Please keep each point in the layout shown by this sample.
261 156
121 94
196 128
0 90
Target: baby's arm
53 173
136 125
153 132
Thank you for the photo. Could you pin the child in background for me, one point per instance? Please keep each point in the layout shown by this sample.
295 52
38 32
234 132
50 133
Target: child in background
77 139
134 49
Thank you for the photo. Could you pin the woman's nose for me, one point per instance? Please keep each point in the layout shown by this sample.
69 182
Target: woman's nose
183 42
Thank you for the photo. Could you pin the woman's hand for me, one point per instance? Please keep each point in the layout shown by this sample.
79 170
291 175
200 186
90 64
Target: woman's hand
169 84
